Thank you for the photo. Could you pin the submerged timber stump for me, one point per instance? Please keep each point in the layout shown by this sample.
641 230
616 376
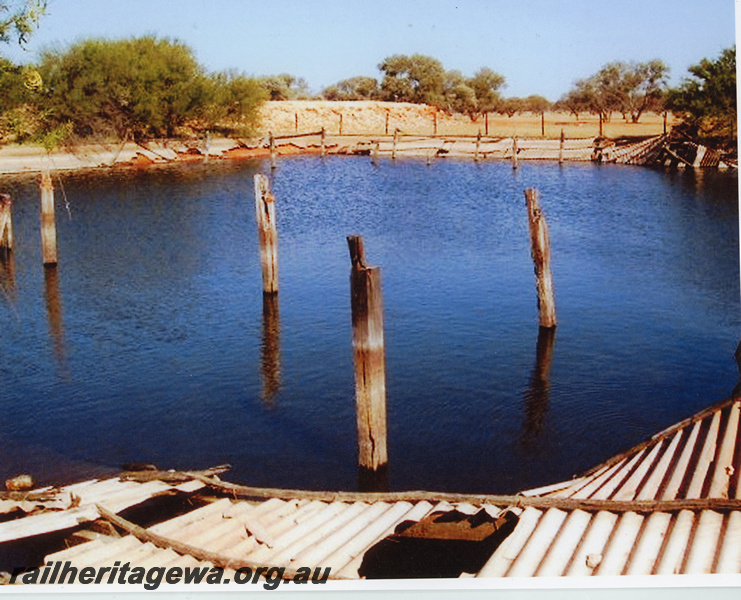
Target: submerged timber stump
541 252
6 224
368 352
48 224
267 233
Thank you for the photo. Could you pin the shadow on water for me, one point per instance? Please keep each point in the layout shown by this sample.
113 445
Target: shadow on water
373 481
54 314
536 397
270 357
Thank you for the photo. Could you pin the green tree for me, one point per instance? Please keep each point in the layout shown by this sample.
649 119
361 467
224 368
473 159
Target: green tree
230 103
285 87
511 106
416 78
355 88
707 100
459 96
536 104
486 85
142 87
628 88
19 19
574 102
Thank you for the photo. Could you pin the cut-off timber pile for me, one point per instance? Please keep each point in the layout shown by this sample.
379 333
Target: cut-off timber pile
6 224
48 224
541 252
267 231
369 357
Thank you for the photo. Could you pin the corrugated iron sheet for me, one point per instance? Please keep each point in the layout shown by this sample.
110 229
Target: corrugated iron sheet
698 458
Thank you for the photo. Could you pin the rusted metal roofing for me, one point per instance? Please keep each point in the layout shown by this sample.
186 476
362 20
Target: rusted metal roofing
698 458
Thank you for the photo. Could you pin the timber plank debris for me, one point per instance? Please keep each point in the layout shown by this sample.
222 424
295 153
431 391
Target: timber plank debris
671 504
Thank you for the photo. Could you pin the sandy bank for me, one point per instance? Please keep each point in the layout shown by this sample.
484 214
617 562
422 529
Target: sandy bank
352 128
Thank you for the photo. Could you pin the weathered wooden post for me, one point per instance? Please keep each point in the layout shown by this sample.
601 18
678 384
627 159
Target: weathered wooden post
664 122
434 123
323 141
376 149
486 124
541 252
560 149
267 233
514 152
6 225
542 124
387 122
295 117
393 147
340 123
600 124
48 224
369 358
478 147
272 150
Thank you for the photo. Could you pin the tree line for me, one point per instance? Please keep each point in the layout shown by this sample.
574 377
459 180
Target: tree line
150 87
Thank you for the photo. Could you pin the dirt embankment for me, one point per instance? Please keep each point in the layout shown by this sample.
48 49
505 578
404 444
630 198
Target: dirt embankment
348 126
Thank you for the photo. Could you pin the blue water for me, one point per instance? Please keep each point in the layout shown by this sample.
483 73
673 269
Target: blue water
149 341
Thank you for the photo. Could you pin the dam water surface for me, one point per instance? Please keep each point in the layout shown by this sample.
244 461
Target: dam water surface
150 341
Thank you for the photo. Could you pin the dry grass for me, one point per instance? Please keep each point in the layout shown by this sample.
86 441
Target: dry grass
373 118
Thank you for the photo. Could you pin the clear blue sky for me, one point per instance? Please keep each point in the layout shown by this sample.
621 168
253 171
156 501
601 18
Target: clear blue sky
540 46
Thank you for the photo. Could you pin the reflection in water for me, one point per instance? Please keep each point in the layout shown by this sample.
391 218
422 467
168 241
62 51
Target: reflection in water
270 348
373 481
7 275
536 397
54 314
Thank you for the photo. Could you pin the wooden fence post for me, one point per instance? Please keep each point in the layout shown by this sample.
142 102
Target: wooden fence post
267 233
478 147
560 149
295 118
541 252
340 123
393 148
434 123
387 122
369 359
6 224
48 224
542 124
323 141
486 124
272 150
514 152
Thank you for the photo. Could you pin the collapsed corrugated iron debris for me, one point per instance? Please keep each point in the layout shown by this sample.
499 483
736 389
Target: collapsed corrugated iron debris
669 505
